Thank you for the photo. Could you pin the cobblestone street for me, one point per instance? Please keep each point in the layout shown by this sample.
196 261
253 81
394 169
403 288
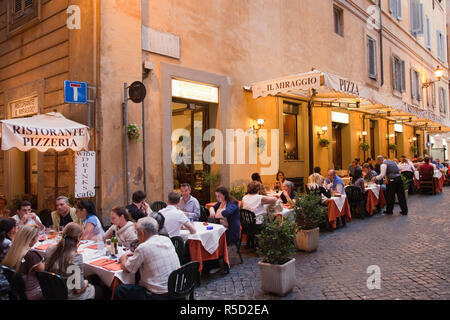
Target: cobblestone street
413 253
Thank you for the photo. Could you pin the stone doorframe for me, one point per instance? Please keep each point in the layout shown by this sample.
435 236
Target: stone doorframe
168 72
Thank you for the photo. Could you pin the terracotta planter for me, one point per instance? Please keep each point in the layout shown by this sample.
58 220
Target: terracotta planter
307 240
277 279
323 144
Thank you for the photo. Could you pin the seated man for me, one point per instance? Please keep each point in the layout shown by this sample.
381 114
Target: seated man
188 204
155 258
439 165
64 214
25 216
334 182
138 208
175 219
426 170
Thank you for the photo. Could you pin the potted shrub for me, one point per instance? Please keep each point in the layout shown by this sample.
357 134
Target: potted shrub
133 132
392 147
324 142
238 192
276 246
364 146
413 149
309 214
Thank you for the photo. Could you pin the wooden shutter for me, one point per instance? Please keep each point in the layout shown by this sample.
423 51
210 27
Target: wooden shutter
439 47
17 6
420 17
391 6
402 76
428 33
413 83
399 9
372 58
394 75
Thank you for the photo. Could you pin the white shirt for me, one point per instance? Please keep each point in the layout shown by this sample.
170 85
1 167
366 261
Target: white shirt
156 258
383 169
408 166
173 220
253 203
29 221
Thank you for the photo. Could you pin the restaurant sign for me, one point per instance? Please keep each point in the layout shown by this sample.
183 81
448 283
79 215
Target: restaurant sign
85 174
301 82
24 107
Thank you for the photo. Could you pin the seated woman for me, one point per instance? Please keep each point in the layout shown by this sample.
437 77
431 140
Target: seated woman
255 202
278 185
227 211
315 184
92 226
367 172
257 178
65 255
8 229
288 195
357 179
25 261
123 225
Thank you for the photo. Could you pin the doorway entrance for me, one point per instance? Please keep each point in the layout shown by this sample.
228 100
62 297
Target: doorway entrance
190 120
336 145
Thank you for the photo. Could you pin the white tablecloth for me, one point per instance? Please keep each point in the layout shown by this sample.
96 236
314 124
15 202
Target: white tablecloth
208 238
437 174
375 189
340 201
90 255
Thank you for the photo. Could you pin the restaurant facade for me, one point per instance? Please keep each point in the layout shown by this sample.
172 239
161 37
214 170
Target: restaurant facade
330 72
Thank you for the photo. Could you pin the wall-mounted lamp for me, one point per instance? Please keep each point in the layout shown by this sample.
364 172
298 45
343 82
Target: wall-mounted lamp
438 73
363 134
324 130
259 124
392 135
414 138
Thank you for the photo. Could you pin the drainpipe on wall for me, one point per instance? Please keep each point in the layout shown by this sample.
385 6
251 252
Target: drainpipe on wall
381 46
310 133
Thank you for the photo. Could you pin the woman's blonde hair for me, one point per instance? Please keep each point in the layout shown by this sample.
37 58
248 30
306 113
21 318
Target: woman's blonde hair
315 181
20 246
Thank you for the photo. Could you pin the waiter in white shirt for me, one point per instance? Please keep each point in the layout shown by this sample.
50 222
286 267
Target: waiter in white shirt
390 169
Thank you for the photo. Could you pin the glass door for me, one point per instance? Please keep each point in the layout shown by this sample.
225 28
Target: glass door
189 122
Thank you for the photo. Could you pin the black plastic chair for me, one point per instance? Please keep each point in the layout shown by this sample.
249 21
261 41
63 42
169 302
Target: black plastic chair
204 214
248 224
158 205
53 286
356 200
160 219
46 217
178 243
16 282
182 282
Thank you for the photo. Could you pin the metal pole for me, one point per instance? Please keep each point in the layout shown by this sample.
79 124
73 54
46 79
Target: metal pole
125 122
311 138
143 147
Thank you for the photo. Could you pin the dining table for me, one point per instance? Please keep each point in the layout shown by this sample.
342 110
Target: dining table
438 177
95 260
338 206
374 197
208 243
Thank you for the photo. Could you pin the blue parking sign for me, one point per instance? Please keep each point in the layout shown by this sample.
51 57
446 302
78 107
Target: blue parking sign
75 92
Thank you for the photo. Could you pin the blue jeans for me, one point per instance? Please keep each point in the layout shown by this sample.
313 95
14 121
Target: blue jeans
135 292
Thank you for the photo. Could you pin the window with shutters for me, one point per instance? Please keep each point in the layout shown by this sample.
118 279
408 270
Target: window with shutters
372 58
395 7
442 100
416 85
416 11
21 14
440 46
338 15
431 96
398 74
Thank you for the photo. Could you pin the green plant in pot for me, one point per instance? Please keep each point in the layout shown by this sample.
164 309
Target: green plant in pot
309 215
324 142
392 147
413 149
276 246
133 132
238 192
364 146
